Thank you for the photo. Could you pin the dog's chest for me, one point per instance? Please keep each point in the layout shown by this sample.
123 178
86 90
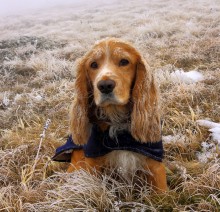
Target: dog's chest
126 161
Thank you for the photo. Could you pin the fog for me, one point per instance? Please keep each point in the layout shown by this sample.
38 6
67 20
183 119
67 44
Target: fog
16 7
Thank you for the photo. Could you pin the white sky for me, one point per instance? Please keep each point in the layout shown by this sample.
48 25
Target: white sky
16 7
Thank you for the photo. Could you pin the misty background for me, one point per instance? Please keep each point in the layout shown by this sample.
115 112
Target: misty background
18 7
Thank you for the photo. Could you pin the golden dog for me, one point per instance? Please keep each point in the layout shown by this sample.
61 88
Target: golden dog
115 91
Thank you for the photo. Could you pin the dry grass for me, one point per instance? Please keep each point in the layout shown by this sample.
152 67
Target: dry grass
37 54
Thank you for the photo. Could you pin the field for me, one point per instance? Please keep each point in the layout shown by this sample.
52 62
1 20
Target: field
37 54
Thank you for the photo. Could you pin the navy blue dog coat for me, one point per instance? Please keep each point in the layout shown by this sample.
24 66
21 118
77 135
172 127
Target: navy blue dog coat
100 143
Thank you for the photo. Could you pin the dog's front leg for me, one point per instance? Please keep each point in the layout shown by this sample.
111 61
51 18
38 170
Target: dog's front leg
79 161
94 165
157 175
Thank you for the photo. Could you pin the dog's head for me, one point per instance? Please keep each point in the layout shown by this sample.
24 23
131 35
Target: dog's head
113 72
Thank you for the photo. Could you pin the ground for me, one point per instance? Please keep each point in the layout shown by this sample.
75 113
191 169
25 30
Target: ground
37 54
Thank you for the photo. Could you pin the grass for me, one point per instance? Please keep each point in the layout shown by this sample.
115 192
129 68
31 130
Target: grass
37 54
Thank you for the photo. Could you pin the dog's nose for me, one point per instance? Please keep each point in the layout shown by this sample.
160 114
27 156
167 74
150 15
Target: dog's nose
106 86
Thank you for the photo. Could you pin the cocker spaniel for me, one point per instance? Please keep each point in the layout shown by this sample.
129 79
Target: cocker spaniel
115 117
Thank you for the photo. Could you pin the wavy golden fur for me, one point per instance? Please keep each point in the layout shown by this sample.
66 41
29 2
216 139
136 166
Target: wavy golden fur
142 103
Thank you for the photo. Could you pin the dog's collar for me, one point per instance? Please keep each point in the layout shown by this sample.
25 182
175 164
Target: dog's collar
100 143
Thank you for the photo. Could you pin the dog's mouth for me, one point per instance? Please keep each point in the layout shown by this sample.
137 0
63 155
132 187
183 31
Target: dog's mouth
108 99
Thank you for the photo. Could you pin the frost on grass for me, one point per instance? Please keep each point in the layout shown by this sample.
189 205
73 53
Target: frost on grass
180 40
5 100
211 147
83 191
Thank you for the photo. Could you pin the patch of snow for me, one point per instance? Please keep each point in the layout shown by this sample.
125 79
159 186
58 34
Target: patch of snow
35 97
209 148
182 171
18 97
206 146
5 101
214 128
215 135
208 124
38 98
168 138
203 157
186 77
173 139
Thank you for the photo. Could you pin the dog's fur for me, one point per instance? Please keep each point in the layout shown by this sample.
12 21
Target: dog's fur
133 105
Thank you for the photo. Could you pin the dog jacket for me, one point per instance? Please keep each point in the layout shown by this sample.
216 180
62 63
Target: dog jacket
100 143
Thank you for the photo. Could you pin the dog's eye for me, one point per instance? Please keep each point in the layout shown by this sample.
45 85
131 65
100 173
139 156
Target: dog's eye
123 62
94 65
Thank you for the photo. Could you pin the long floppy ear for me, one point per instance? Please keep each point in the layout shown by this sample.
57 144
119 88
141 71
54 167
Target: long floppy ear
145 116
79 121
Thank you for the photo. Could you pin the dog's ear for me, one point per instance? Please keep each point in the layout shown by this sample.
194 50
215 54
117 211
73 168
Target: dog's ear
145 116
79 121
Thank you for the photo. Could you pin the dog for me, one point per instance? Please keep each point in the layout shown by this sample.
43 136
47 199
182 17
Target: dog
115 116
